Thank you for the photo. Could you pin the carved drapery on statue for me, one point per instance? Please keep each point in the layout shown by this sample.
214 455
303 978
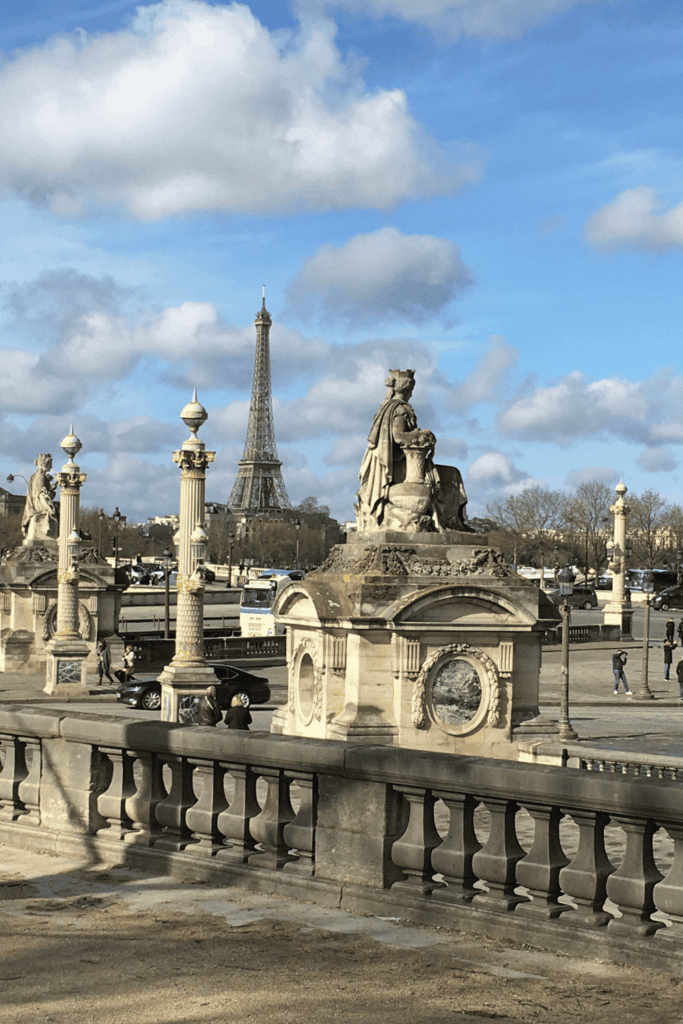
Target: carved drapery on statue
401 488
40 515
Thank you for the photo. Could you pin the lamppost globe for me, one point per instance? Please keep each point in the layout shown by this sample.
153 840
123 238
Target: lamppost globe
565 581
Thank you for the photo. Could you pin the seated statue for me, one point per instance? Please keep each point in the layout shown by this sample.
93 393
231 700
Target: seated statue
39 521
400 486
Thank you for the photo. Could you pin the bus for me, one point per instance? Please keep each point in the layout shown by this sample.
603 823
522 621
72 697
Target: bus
258 597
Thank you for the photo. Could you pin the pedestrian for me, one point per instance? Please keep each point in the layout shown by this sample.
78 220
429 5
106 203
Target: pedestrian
618 663
680 632
103 662
237 716
208 711
128 663
669 648
679 673
670 629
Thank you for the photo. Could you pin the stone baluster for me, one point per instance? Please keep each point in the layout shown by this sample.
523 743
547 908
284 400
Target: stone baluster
495 863
171 811
202 818
267 828
299 833
112 803
29 787
540 870
412 853
632 884
453 858
14 771
585 877
141 806
668 894
234 823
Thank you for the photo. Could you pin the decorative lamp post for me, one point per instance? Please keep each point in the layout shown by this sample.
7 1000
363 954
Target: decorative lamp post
297 527
188 673
644 692
679 567
101 516
565 578
12 477
231 541
67 651
167 562
118 518
617 609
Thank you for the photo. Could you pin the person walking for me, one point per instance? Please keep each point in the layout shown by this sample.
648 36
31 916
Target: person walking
679 673
618 663
208 711
128 663
670 629
103 662
669 648
237 716
680 632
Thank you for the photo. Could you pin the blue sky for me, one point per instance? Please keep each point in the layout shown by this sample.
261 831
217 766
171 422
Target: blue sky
488 192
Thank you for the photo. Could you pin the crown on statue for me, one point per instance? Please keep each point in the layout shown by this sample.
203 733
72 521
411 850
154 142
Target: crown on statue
399 376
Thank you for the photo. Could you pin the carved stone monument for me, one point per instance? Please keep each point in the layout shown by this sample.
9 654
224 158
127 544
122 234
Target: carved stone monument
29 586
416 632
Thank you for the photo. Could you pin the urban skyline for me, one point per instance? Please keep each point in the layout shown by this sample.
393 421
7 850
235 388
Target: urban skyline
487 193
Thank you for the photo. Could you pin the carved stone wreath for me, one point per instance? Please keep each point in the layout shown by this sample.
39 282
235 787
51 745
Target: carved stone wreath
419 699
307 646
85 622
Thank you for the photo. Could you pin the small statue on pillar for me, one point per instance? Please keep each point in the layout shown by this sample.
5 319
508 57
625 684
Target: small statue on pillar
40 520
401 488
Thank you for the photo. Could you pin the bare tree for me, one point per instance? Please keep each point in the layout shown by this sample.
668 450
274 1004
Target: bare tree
588 516
534 518
648 521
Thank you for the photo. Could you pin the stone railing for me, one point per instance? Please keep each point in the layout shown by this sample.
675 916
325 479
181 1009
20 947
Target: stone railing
424 837
624 762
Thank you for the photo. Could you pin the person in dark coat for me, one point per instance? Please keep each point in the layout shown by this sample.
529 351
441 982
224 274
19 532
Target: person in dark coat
679 673
680 632
669 648
670 629
237 716
103 662
618 665
208 711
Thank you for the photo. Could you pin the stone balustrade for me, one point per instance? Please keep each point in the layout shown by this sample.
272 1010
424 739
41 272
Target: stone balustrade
378 829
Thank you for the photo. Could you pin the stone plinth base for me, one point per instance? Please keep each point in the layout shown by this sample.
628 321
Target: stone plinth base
178 681
66 670
621 615
427 641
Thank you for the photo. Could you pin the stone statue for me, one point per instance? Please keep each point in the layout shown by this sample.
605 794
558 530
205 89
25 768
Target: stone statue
40 515
400 486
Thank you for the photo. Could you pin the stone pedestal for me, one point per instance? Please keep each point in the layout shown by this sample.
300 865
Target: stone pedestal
418 640
66 666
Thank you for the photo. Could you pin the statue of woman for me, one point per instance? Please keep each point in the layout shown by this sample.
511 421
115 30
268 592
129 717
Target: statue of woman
40 516
395 430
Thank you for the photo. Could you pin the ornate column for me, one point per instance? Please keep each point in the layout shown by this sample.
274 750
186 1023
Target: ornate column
67 651
618 609
188 673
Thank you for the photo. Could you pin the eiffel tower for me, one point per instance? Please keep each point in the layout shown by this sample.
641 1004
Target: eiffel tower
259 489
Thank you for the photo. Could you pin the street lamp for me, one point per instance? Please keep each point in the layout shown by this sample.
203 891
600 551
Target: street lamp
101 516
12 477
565 578
231 541
167 562
644 693
118 518
297 527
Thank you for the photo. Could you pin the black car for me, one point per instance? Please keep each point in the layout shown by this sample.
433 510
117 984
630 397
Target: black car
672 597
145 691
582 597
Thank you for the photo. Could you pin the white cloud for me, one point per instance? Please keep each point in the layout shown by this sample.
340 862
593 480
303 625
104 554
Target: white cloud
490 378
588 474
483 19
380 276
657 460
636 220
199 107
494 471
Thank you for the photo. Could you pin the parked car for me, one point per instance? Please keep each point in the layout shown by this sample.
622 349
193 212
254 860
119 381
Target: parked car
145 691
582 597
672 597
